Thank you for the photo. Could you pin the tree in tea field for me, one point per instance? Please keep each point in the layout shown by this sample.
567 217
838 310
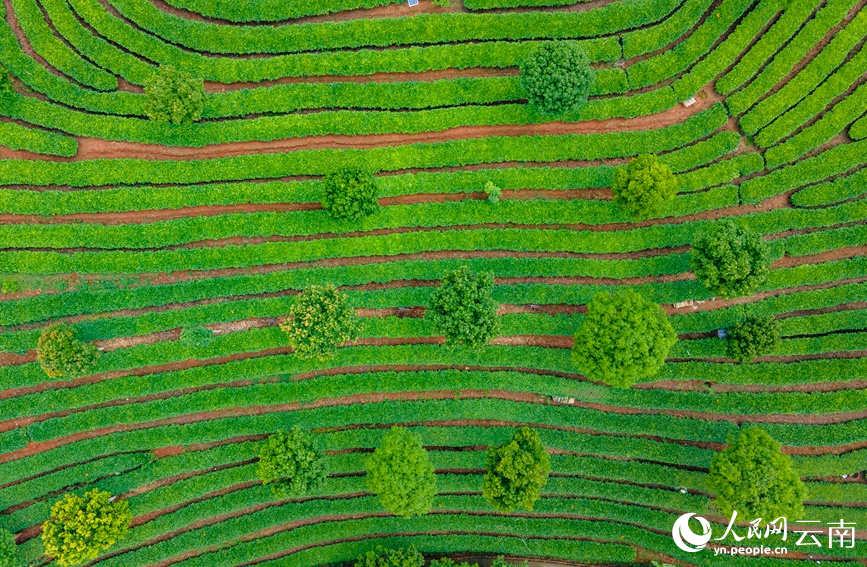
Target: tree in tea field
291 464
516 471
642 186
400 473
62 355
383 557
729 260
755 478
8 549
624 338
174 96
349 194
321 320
557 77
752 337
463 308
81 527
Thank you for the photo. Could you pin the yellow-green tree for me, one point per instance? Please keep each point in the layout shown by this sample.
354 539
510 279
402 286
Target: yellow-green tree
641 187
321 319
516 471
81 527
62 355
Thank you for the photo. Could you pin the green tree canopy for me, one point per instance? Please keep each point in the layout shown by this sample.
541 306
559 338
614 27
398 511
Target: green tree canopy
641 187
349 194
752 337
8 549
81 527
291 464
61 355
400 472
753 477
463 308
321 320
516 471
557 77
383 557
729 260
624 338
174 96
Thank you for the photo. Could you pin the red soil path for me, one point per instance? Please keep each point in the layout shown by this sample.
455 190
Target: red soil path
92 148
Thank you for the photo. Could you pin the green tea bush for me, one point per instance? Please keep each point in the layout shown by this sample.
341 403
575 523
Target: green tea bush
493 192
349 194
321 320
557 77
624 338
272 10
291 464
10 286
5 83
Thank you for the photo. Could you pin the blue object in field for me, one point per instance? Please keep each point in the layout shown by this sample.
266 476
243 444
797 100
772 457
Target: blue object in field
412 3
721 333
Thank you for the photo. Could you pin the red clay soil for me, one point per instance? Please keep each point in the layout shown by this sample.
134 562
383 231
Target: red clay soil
395 10
670 309
155 215
774 203
37 447
92 148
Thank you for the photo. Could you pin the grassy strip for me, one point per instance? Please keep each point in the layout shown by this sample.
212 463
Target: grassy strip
830 163
497 149
18 137
831 14
382 32
836 191
56 53
709 66
793 17
821 131
802 92
673 61
273 10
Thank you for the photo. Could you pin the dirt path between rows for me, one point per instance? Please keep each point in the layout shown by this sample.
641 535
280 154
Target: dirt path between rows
526 397
715 303
35 448
92 148
144 216
381 77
